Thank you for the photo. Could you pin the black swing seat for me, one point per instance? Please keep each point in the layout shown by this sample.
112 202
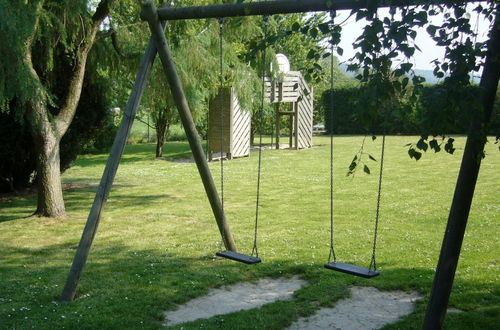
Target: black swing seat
239 257
352 269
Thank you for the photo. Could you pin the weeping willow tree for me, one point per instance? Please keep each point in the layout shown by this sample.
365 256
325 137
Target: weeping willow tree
42 42
196 48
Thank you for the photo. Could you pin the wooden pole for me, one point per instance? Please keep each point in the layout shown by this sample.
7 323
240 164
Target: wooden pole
464 189
149 12
291 125
108 176
281 7
278 125
296 125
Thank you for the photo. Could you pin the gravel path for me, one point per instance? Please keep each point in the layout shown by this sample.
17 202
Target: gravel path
237 297
367 308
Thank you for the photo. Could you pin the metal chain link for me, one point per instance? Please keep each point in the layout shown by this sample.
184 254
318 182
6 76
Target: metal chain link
332 250
373 263
261 116
221 83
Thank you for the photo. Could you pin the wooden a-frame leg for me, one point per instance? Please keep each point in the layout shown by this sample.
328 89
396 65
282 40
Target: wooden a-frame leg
108 176
150 14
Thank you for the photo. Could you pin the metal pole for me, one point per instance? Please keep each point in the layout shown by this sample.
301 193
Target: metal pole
464 191
280 7
149 12
108 176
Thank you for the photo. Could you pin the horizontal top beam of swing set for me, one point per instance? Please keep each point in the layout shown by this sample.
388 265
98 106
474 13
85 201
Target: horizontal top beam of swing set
286 7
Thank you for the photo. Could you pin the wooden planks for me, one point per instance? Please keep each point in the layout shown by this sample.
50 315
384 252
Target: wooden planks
219 125
229 133
287 89
241 120
292 88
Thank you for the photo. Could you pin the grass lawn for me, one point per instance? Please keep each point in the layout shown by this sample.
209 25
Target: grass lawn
157 238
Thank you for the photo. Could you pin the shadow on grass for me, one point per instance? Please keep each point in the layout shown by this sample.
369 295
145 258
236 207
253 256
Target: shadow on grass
123 287
78 197
139 152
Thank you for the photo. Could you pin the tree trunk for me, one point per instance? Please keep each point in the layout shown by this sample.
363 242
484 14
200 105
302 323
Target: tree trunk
252 134
47 129
160 140
50 196
161 125
163 119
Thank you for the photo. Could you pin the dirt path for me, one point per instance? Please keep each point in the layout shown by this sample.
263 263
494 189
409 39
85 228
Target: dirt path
367 308
234 298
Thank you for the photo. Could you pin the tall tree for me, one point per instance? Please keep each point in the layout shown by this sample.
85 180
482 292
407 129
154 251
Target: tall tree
197 57
36 33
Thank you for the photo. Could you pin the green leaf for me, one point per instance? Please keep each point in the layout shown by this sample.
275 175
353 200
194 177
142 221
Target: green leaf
414 154
422 145
448 147
366 169
360 15
406 66
311 55
431 29
314 33
434 145
405 82
352 166
296 26
324 28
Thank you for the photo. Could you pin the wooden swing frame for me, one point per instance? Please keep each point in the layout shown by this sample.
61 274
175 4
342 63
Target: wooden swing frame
156 18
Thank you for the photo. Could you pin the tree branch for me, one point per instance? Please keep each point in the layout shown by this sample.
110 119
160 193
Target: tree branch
36 110
116 44
144 122
65 116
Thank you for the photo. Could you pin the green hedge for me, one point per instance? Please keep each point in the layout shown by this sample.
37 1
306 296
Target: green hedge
437 110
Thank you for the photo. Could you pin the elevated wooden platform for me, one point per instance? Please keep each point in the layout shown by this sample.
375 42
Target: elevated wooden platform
292 89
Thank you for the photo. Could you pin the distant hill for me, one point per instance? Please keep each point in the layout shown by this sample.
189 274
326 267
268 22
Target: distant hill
427 74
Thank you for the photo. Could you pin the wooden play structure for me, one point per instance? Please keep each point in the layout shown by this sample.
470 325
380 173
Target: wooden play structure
231 138
292 97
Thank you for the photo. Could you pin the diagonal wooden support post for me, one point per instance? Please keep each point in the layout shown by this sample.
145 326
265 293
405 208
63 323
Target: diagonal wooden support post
464 189
108 176
149 13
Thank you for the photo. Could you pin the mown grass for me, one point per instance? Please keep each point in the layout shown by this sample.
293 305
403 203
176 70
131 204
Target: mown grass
156 242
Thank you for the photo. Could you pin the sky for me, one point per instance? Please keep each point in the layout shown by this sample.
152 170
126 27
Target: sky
422 60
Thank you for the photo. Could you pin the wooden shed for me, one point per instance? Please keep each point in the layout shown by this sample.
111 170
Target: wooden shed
233 133
292 88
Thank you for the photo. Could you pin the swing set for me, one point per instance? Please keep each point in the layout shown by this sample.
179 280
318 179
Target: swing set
156 19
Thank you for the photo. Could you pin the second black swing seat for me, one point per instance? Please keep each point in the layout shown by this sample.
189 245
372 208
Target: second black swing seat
246 259
352 269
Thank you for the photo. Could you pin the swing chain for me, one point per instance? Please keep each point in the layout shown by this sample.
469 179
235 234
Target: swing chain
332 250
373 262
261 116
221 82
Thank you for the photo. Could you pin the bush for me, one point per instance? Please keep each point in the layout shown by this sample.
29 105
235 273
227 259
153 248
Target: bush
91 129
17 159
440 109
